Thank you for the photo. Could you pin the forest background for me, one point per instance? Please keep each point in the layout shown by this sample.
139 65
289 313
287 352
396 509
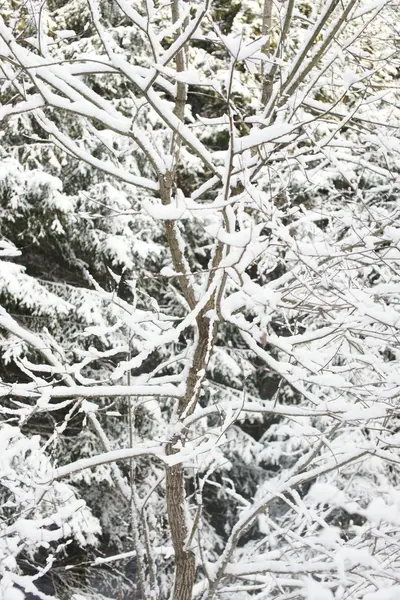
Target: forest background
199 300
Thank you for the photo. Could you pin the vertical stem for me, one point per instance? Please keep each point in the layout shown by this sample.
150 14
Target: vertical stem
181 91
177 506
185 560
266 28
180 67
133 506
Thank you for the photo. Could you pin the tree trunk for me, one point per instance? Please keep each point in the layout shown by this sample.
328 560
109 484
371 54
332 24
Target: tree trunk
185 560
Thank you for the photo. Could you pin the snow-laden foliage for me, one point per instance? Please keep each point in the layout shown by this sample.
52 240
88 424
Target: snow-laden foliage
37 513
200 292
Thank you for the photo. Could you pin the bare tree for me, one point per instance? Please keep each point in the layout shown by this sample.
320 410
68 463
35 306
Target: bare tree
322 110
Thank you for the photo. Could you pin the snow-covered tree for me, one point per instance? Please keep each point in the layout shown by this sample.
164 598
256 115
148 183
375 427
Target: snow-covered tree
200 287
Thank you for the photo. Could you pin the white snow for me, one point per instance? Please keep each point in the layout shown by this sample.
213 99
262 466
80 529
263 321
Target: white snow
278 132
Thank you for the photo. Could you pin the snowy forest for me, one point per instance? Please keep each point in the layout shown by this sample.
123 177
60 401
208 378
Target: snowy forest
199 300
